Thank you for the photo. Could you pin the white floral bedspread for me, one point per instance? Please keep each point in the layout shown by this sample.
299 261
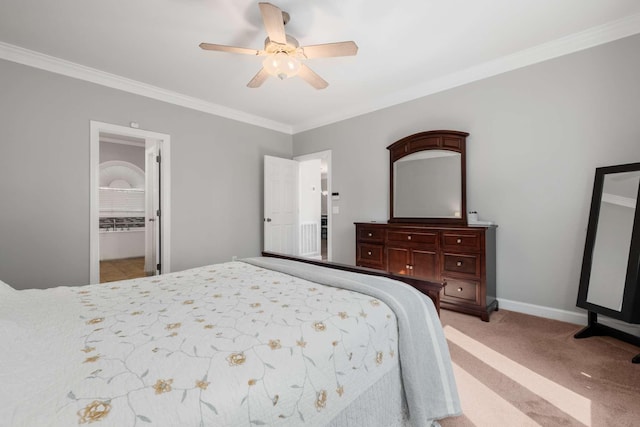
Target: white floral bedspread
225 345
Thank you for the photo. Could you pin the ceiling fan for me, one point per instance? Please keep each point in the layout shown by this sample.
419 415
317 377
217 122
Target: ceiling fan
283 53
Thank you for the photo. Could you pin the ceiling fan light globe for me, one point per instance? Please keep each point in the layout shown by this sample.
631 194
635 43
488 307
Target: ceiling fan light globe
293 66
281 65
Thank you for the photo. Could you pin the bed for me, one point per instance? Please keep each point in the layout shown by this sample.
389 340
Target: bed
262 341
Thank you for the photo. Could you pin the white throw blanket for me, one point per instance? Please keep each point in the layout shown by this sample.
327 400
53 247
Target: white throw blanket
427 373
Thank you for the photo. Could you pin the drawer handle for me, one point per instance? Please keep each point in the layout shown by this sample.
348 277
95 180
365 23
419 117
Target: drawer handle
459 241
409 237
460 289
369 253
370 234
459 263
411 267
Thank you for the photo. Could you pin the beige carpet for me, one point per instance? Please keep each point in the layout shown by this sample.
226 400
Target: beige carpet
520 370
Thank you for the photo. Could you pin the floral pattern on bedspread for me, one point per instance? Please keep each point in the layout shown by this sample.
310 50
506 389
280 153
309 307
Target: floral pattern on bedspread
231 344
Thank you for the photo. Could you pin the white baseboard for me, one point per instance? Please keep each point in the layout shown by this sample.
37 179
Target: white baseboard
542 311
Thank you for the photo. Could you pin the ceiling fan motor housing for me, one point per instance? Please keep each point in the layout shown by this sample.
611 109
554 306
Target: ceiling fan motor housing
273 47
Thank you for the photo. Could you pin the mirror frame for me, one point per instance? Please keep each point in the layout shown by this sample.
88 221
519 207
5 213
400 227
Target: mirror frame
630 312
447 140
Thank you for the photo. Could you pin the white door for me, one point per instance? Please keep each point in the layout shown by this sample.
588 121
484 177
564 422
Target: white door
152 250
280 205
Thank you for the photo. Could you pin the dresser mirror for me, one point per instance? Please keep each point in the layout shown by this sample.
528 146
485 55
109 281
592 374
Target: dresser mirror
427 178
609 282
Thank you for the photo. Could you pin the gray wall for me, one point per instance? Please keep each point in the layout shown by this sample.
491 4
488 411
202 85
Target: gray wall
536 136
216 176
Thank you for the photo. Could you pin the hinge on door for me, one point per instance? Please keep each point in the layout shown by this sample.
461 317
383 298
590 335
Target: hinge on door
158 158
158 267
158 212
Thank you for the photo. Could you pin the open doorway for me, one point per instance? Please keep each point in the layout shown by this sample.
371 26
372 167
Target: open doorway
122 208
297 205
323 160
129 203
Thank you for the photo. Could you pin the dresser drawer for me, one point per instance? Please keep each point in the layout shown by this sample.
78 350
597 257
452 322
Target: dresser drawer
462 240
462 290
463 256
373 234
370 254
425 239
461 263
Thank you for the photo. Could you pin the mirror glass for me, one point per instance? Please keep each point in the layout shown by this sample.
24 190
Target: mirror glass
428 184
613 239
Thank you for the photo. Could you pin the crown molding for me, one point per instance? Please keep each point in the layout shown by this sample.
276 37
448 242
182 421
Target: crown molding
586 39
576 42
39 60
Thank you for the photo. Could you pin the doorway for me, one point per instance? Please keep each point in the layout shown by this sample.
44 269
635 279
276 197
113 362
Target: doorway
129 209
297 205
325 199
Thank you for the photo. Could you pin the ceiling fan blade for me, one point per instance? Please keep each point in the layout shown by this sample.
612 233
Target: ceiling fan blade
273 22
230 49
330 49
309 76
258 79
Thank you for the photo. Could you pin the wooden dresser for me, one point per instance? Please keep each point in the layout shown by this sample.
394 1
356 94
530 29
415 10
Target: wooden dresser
462 256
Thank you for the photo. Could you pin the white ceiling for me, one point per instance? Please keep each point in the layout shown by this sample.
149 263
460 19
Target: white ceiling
407 48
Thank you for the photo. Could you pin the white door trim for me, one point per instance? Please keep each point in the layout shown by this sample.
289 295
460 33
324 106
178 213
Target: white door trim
94 202
326 156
